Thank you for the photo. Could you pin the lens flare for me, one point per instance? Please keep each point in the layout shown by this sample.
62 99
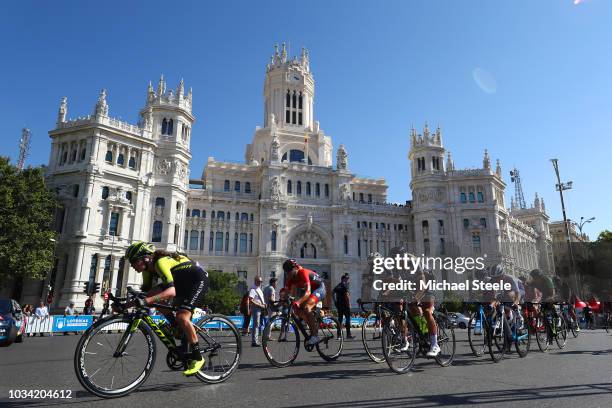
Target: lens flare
485 80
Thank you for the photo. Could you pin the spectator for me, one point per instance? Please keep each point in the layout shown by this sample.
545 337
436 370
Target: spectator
258 305
269 293
27 310
245 309
70 311
41 313
89 308
343 304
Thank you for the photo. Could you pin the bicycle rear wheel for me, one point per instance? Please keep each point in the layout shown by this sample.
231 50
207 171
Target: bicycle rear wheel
371 336
399 350
221 347
446 340
112 365
281 341
330 344
477 329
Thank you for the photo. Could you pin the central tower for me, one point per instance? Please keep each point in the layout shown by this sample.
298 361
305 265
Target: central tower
290 133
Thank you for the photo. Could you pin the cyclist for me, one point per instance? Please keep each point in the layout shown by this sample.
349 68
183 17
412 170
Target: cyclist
423 305
393 300
513 294
544 288
182 279
310 288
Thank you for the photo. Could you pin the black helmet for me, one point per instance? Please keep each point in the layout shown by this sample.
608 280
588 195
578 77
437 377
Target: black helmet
535 273
289 264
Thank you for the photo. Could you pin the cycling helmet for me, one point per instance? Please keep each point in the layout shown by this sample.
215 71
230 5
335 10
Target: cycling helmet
535 273
497 270
289 264
398 250
138 250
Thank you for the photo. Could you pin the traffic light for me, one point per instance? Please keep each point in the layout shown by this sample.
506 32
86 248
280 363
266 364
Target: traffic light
86 288
96 288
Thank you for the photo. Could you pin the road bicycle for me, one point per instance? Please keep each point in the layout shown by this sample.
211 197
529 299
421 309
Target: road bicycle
405 336
281 335
570 321
117 353
486 330
549 326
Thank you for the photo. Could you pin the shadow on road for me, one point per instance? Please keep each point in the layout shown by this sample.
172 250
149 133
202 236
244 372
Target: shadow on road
480 397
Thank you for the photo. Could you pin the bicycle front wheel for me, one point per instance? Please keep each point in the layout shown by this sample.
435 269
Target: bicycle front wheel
400 345
446 340
541 332
496 336
371 336
221 347
561 335
330 344
477 329
281 341
112 365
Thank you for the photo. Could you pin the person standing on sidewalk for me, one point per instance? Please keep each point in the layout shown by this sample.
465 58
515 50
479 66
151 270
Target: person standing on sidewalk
245 309
269 293
343 303
258 305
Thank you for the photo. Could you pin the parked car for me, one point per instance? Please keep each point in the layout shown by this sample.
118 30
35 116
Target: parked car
12 323
459 319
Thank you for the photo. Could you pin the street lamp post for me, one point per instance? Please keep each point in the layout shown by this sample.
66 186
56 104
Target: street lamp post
560 187
582 223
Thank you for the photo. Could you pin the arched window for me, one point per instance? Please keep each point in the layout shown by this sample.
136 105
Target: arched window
83 152
157 231
244 217
318 190
202 237
164 127
237 186
212 215
289 187
237 217
220 215
170 127
132 163
235 242
227 242
203 213
345 245
294 99
193 241
211 240
228 216
247 187
226 185
308 189
300 101
273 241
120 159
109 156
105 192
298 188
251 217
160 202
303 250
314 251
128 196
195 213
288 99
251 243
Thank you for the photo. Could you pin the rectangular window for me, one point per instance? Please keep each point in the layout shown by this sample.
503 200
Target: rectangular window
243 242
218 241
326 190
480 197
369 198
476 243
463 198
361 197
251 243
318 190
193 242
114 224
472 197
359 248
211 241
483 222
466 223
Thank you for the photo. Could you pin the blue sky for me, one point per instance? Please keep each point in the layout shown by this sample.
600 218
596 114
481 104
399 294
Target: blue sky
544 79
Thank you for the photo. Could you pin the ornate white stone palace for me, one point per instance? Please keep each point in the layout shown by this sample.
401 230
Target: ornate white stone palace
120 182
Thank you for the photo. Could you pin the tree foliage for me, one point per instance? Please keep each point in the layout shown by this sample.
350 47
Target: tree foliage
222 296
605 236
26 212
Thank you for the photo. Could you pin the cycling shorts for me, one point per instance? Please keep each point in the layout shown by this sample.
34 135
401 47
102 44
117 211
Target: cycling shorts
191 285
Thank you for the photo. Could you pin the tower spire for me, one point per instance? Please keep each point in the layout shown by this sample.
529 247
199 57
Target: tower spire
486 161
101 105
161 86
62 111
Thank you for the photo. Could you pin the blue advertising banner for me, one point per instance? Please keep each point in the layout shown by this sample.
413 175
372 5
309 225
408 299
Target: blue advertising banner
71 323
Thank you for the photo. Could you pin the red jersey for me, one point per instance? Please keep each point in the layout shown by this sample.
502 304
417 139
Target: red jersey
302 278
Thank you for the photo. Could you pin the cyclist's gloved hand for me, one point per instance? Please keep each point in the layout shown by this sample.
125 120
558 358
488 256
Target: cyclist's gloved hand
140 301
